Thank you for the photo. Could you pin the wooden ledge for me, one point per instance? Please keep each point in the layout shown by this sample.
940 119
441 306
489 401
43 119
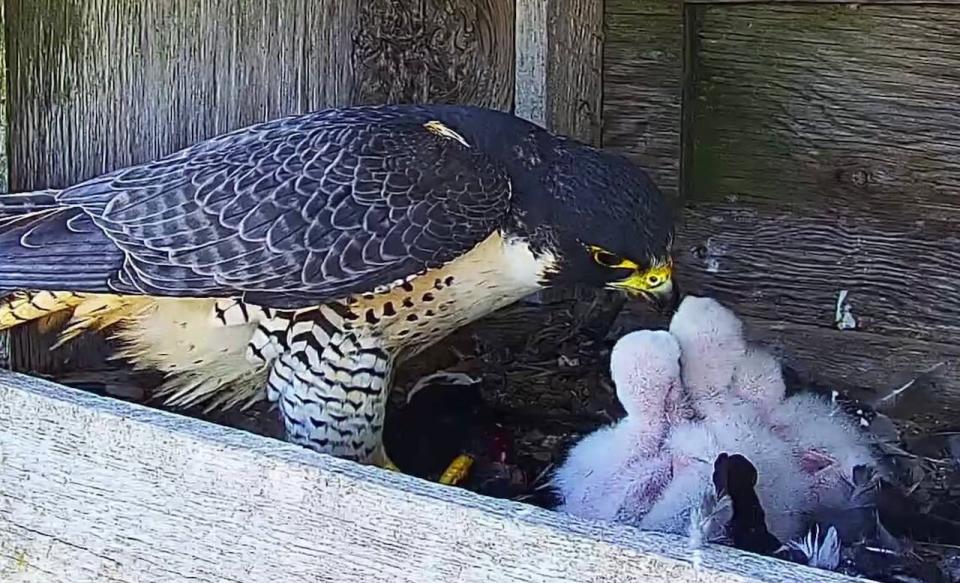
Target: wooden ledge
93 489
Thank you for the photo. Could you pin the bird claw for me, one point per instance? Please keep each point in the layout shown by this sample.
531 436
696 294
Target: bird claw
457 471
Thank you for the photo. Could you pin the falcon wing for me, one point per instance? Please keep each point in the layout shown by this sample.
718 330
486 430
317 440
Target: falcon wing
301 210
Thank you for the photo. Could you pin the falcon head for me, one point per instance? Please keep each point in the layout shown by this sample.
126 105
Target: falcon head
603 219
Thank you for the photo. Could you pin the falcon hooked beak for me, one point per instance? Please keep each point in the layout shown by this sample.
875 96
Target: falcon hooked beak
654 284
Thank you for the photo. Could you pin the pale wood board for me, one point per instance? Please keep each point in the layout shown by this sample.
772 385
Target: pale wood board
530 93
99 84
559 80
642 85
559 63
97 490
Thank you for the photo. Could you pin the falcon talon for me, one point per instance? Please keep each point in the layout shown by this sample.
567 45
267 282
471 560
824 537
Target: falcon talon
457 471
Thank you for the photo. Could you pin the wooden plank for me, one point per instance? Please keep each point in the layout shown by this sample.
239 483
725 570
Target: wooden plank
867 366
575 69
100 84
97 490
559 62
642 85
824 146
530 93
435 51
4 109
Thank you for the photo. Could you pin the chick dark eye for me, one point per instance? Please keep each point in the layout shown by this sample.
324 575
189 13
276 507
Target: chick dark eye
607 259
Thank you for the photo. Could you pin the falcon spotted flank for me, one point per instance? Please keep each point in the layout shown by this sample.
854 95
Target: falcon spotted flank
303 258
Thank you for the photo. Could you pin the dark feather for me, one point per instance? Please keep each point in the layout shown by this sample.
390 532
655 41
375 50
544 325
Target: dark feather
736 477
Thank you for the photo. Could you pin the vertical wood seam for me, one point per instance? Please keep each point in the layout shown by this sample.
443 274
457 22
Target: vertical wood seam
530 58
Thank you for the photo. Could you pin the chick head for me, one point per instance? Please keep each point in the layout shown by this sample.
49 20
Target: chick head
645 367
711 342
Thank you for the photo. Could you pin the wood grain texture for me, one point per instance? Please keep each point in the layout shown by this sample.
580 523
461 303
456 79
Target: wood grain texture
4 108
98 490
435 51
575 68
823 156
101 84
642 85
559 59
530 83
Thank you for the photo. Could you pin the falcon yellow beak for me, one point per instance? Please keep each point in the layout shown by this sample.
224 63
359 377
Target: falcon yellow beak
656 285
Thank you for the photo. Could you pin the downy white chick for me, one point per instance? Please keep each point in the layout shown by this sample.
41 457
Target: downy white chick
828 446
715 360
804 447
618 472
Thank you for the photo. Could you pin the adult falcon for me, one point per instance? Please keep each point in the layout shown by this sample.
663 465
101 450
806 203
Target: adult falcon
304 257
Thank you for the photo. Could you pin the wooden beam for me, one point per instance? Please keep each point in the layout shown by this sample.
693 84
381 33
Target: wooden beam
575 69
559 72
559 63
530 94
97 490
99 84
642 85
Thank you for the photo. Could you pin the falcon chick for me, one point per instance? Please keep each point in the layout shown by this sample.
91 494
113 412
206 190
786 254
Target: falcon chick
309 255
619 471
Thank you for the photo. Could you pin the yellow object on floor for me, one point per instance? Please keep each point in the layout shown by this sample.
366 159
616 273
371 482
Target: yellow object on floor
457 471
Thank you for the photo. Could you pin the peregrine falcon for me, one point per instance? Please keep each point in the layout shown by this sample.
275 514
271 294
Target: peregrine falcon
303 258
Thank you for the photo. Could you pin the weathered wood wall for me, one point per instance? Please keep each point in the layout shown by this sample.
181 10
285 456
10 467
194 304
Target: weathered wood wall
819 158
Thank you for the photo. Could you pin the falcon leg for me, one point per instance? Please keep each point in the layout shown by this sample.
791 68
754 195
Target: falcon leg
337 408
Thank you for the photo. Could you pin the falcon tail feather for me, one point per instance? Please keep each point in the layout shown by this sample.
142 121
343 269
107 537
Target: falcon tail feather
70 314
47 245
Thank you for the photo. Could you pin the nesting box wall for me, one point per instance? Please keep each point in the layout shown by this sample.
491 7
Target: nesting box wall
818 145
